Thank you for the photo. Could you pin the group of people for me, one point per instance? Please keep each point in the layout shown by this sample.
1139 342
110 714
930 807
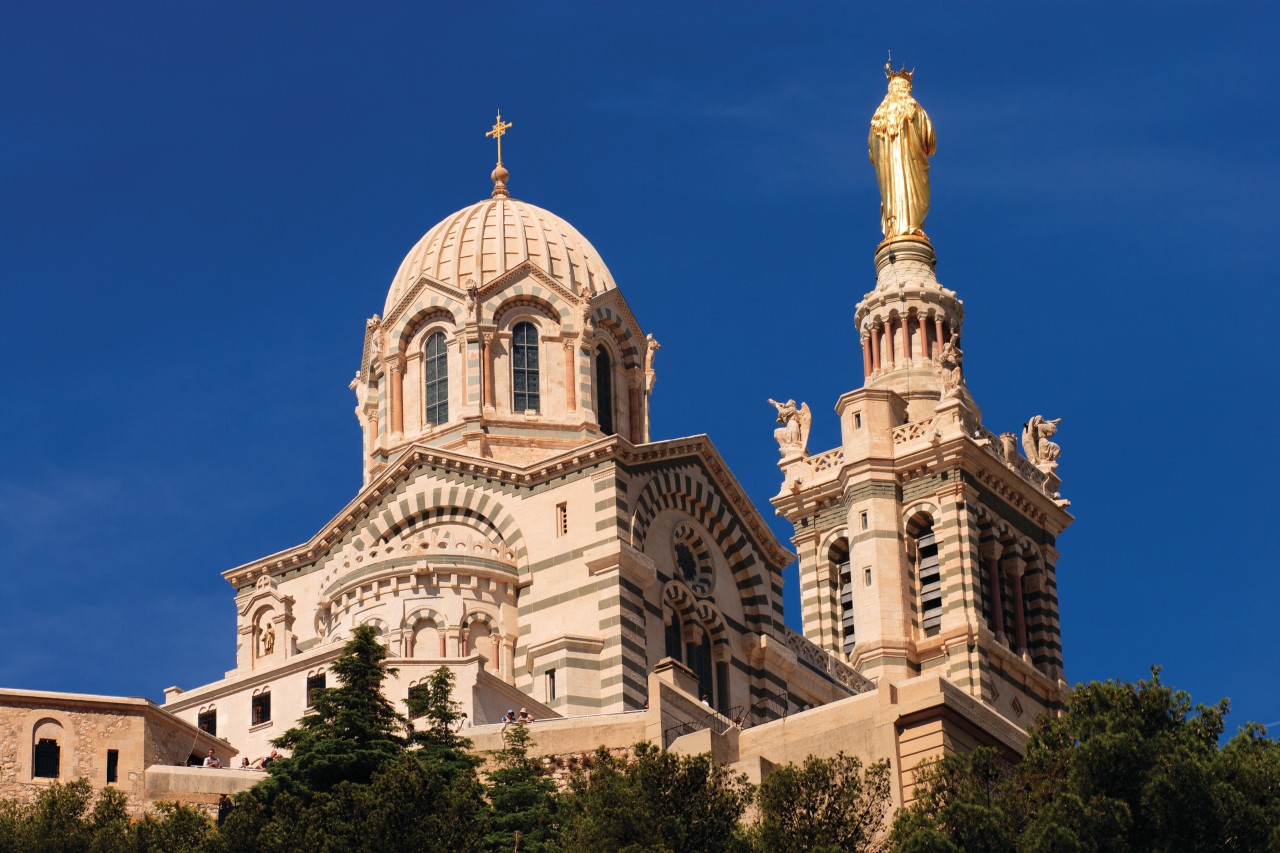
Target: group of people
212 760
523 717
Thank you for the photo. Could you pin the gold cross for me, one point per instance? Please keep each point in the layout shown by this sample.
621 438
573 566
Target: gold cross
499 128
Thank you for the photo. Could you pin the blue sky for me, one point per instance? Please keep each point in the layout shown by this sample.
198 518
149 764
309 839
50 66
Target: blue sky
202 202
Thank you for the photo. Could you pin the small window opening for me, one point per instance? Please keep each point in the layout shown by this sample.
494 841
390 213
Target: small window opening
314 683
207 721
260 709
864 520
857 420
113 765
866 576
551 685
562 519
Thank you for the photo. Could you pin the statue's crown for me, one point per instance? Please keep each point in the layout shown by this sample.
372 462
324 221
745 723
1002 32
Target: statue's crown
889 73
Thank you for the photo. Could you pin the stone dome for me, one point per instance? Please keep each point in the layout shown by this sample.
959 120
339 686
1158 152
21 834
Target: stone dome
489 238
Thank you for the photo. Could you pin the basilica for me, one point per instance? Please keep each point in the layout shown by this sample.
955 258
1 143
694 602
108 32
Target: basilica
518 525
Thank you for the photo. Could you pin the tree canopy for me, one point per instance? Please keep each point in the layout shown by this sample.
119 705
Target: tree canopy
1127 767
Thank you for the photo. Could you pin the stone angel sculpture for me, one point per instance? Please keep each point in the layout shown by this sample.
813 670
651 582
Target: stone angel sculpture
793 435
951 362
1040 451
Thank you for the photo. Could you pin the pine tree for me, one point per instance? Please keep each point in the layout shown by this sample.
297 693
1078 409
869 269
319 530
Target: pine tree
523 797
352 730
437 720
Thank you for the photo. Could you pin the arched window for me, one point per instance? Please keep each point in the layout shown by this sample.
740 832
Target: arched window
46 758
524 368
699 660
842 577
929 576
604 390
673 629
435 369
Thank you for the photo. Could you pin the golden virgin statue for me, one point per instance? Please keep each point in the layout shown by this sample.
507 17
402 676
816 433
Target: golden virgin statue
900 144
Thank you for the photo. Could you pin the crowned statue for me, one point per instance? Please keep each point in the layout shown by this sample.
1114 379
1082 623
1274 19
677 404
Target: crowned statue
900 145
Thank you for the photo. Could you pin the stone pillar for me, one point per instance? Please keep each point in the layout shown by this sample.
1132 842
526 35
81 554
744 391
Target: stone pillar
571 375
875 347
924 335
888 336
937 325
509 658
1017 566
371 419
486 361
866 356
395 375
906 339
633 390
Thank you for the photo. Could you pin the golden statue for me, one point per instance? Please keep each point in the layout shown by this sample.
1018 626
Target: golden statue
900 144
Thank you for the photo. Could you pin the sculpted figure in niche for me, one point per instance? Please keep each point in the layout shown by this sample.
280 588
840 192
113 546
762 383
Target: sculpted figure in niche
951 361
900 144
793 435
1036 444
269 640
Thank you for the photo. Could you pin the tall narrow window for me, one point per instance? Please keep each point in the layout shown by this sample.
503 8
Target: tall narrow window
604 390
929 574
551 686
47 758
524 368
700 662
838 557
260 709
208 721
435 365
314 683
417 694
113 765
673 638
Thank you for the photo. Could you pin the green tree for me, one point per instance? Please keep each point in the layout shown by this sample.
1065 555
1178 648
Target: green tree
172 828
352 730
824 804
654 801
523 798
1126 767
435 733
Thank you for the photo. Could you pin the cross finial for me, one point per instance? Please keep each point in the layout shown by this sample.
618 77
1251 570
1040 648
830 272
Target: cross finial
500 127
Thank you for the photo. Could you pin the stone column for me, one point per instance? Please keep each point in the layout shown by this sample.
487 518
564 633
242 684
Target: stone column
906 339
924 334
395 375
371 418
875 347
1017 566
937 325
866 356
486 360
571 375
509 658
888 336
633 389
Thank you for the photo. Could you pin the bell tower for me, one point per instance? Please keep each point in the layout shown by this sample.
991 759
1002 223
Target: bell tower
927 543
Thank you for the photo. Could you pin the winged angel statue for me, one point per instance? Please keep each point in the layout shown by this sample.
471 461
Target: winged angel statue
793 435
